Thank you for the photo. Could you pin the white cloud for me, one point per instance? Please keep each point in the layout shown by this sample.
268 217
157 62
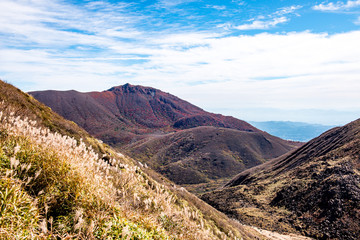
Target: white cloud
337 6
290 72
270 21
258 24
239 2
217 7
172 3
287 10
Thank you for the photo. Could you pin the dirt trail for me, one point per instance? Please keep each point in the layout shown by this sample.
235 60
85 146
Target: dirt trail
278 236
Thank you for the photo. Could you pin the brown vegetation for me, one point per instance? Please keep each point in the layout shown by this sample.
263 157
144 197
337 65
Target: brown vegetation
315 190
204 158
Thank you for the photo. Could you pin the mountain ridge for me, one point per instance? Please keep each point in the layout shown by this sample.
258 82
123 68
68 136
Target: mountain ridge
314 190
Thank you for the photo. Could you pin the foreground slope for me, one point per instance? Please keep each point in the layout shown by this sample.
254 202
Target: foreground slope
54 186
126 113
315 190
204 158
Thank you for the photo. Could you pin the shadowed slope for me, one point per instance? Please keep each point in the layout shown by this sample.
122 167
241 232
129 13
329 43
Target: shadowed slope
314 190
203 158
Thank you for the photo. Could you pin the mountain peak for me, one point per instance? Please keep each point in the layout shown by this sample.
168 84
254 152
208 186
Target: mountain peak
129 88
137 110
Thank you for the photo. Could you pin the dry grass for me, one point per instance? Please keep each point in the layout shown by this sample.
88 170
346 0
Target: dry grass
55 187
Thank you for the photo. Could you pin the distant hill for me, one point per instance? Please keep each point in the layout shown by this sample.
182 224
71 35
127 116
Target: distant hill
128 113
314 190
203 158
295 131
163 131
58 182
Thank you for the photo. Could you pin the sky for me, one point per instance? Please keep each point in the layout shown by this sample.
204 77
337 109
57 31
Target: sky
255 60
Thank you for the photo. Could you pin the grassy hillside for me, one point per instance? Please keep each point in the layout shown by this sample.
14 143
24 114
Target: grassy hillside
315 190
59 183
204 158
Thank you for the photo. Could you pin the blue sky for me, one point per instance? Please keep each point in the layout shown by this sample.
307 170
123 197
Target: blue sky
255 60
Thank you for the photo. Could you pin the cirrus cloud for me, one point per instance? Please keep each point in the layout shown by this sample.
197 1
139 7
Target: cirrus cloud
337 6
271 21
258 24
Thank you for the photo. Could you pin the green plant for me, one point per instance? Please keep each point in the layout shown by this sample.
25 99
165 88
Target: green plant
120 228
18 213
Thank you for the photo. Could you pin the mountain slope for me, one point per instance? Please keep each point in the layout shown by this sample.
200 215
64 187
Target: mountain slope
126 113
203 158
314 190
162 131
54 186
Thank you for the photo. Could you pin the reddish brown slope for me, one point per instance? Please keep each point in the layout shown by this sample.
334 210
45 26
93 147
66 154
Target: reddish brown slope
203 158
124 113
